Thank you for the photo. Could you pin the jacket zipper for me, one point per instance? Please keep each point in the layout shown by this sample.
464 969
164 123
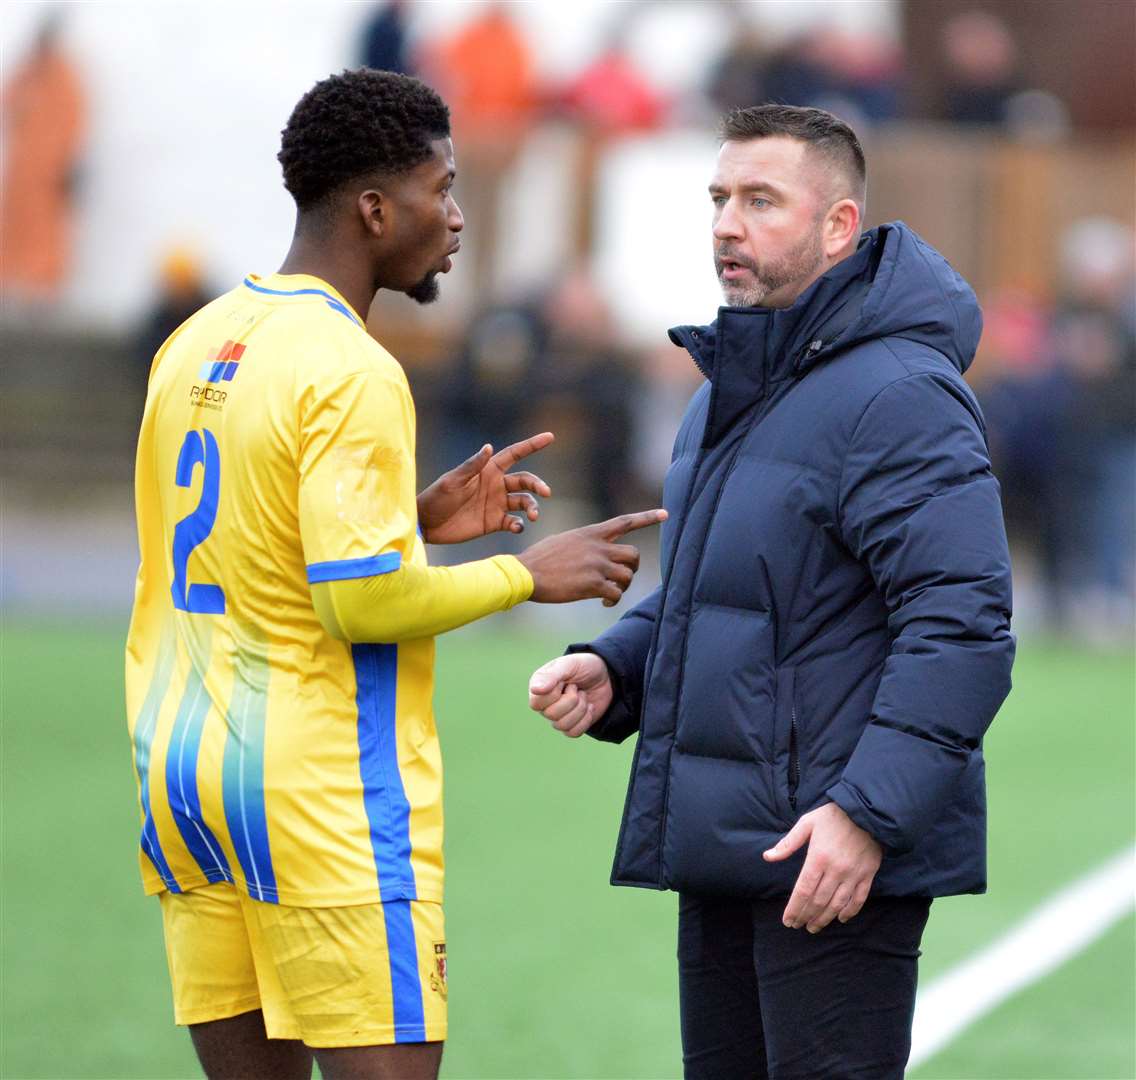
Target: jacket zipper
794 759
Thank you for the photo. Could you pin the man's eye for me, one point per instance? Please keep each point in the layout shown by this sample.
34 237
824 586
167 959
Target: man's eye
718 200
760 203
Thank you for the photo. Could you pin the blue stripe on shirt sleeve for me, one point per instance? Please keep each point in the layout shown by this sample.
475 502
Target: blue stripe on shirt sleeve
341 569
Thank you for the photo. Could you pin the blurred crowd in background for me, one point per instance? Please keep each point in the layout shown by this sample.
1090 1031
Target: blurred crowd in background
1057 368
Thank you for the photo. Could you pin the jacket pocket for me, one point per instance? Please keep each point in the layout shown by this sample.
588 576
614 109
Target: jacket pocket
726 704
787 765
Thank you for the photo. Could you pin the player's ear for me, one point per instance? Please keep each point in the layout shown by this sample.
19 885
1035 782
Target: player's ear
374 209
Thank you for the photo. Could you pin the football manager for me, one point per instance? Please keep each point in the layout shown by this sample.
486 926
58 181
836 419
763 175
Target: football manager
811 681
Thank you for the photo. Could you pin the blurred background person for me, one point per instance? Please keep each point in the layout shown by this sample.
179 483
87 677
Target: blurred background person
487 73
856 75
44 119
182 290
556 358
587 383
1094 336
383 42
981 68
612 95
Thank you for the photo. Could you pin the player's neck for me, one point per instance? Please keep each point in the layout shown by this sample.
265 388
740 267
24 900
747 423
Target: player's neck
353 282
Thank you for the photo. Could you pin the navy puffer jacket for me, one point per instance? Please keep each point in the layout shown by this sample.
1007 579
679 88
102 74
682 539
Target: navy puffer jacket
833 622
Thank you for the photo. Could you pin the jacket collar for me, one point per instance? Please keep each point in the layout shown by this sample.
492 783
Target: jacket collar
747 349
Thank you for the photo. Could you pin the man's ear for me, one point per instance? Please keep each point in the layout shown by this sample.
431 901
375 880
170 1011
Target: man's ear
374 211
841 227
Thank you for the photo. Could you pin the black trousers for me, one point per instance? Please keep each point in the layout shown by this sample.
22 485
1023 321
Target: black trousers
760 1000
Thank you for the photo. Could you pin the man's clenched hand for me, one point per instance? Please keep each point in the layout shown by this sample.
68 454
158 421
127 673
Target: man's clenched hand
571 691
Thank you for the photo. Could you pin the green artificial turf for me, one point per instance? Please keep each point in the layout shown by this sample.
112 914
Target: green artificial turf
1076 1023
552 972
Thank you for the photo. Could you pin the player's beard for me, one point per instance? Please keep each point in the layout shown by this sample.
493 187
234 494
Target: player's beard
772 274
426 291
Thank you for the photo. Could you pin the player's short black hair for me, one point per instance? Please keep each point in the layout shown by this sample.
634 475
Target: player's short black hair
354 124
829 136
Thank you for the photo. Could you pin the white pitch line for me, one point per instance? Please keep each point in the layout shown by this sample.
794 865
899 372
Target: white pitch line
1064 925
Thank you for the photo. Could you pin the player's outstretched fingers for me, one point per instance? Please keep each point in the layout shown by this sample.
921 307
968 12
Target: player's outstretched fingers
471 466
621 524
527 481
507 458
523 503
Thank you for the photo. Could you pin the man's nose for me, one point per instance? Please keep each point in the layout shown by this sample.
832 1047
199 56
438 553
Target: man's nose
456 219
728 223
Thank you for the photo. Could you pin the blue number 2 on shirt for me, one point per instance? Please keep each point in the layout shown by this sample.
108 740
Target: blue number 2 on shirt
199 448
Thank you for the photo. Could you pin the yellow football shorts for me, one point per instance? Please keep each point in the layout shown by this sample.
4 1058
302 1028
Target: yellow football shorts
346 976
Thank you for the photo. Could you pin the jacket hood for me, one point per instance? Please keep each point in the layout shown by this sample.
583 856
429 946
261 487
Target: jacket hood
894 285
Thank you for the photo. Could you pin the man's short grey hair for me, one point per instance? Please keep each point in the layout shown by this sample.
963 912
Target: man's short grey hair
828 135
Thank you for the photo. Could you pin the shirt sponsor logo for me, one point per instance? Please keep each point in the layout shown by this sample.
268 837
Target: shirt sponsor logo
220 366
206 397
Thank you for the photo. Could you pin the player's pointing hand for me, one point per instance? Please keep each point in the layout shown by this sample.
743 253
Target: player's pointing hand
587 562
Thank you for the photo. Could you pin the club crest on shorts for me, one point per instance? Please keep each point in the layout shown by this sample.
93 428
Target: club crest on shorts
438 975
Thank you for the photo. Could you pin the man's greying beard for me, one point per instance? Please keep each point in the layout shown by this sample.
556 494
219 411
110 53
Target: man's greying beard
771 275
426 291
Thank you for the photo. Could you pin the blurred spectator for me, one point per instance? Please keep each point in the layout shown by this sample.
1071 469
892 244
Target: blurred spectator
383 42
611 95
44 112
487 75
181 292
793 75
1037 116
1027 406
865 72
857 76
1095 339
551 363
587 385
981 76
1062 418
485 396
737 77
669 379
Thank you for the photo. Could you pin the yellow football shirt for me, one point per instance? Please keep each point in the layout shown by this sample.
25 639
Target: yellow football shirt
276 452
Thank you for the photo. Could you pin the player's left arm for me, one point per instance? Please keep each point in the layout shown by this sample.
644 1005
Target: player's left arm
920 507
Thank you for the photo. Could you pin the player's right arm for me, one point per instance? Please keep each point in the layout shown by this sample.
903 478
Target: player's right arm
358 525
417 601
